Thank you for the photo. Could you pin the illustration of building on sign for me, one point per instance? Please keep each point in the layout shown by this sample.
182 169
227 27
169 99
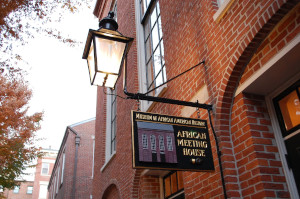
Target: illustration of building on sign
156 143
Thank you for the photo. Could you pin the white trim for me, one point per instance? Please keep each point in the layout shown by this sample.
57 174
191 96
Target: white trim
108 161
279 139
63 167
222 9
140 56
93 164
269 96
268 65
145 105
82 122
48 161
108 155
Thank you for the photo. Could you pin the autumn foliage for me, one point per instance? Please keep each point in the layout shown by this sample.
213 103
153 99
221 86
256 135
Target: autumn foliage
17 130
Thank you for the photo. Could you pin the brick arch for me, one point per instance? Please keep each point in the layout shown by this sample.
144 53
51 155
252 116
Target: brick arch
111 191
235 69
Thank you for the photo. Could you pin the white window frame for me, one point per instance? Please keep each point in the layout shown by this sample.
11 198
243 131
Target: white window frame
153 142
16 189
145 105
145 141
161 141
57 181
280 140
48 168
277 132
63 167
29 189
108 154
223 8
169 143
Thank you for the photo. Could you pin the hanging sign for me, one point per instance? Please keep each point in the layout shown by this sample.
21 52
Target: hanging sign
172 143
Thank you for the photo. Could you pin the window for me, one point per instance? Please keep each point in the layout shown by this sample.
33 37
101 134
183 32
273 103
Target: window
173 185
153 142
113 121
43 191
161 143
220 2
29 189
287 106
16 189
153 44
145 141
62 168
169 143
57 180
45 168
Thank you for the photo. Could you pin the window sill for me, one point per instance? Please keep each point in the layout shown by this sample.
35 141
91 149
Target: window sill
149 106
222 10
108 161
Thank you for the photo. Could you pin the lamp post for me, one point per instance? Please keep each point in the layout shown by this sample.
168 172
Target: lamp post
104 51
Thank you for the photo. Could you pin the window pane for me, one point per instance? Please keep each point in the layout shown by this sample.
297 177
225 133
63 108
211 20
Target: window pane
143 7
157 70
147 29
155 37
174 183
290 110
153 142
167 186
16 189
45 168
162 52
148 50
161 143
145 141
160 28
150 75
153 17
29 190
156 75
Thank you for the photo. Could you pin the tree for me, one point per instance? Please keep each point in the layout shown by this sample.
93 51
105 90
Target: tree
16 18
17 129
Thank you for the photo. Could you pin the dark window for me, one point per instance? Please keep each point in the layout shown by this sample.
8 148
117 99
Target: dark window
113 120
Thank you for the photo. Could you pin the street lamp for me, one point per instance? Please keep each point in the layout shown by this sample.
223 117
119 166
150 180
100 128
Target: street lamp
105 50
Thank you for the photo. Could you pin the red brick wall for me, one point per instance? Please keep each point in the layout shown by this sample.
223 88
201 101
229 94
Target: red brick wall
149 187
38 177
191 35
259 167
83 187
9 194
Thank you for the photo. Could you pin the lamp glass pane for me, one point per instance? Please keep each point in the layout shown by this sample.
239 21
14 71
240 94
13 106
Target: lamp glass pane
91 62
111 81
99 79
109 55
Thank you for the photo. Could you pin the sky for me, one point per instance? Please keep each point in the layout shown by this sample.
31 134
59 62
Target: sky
59 78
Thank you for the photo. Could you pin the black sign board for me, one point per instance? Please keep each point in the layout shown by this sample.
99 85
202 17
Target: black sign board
169 142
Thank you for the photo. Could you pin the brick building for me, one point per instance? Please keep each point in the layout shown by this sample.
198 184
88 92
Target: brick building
24 191
43 172
73 170
251 77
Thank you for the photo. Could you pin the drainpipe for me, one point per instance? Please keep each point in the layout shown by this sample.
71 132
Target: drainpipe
77 142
